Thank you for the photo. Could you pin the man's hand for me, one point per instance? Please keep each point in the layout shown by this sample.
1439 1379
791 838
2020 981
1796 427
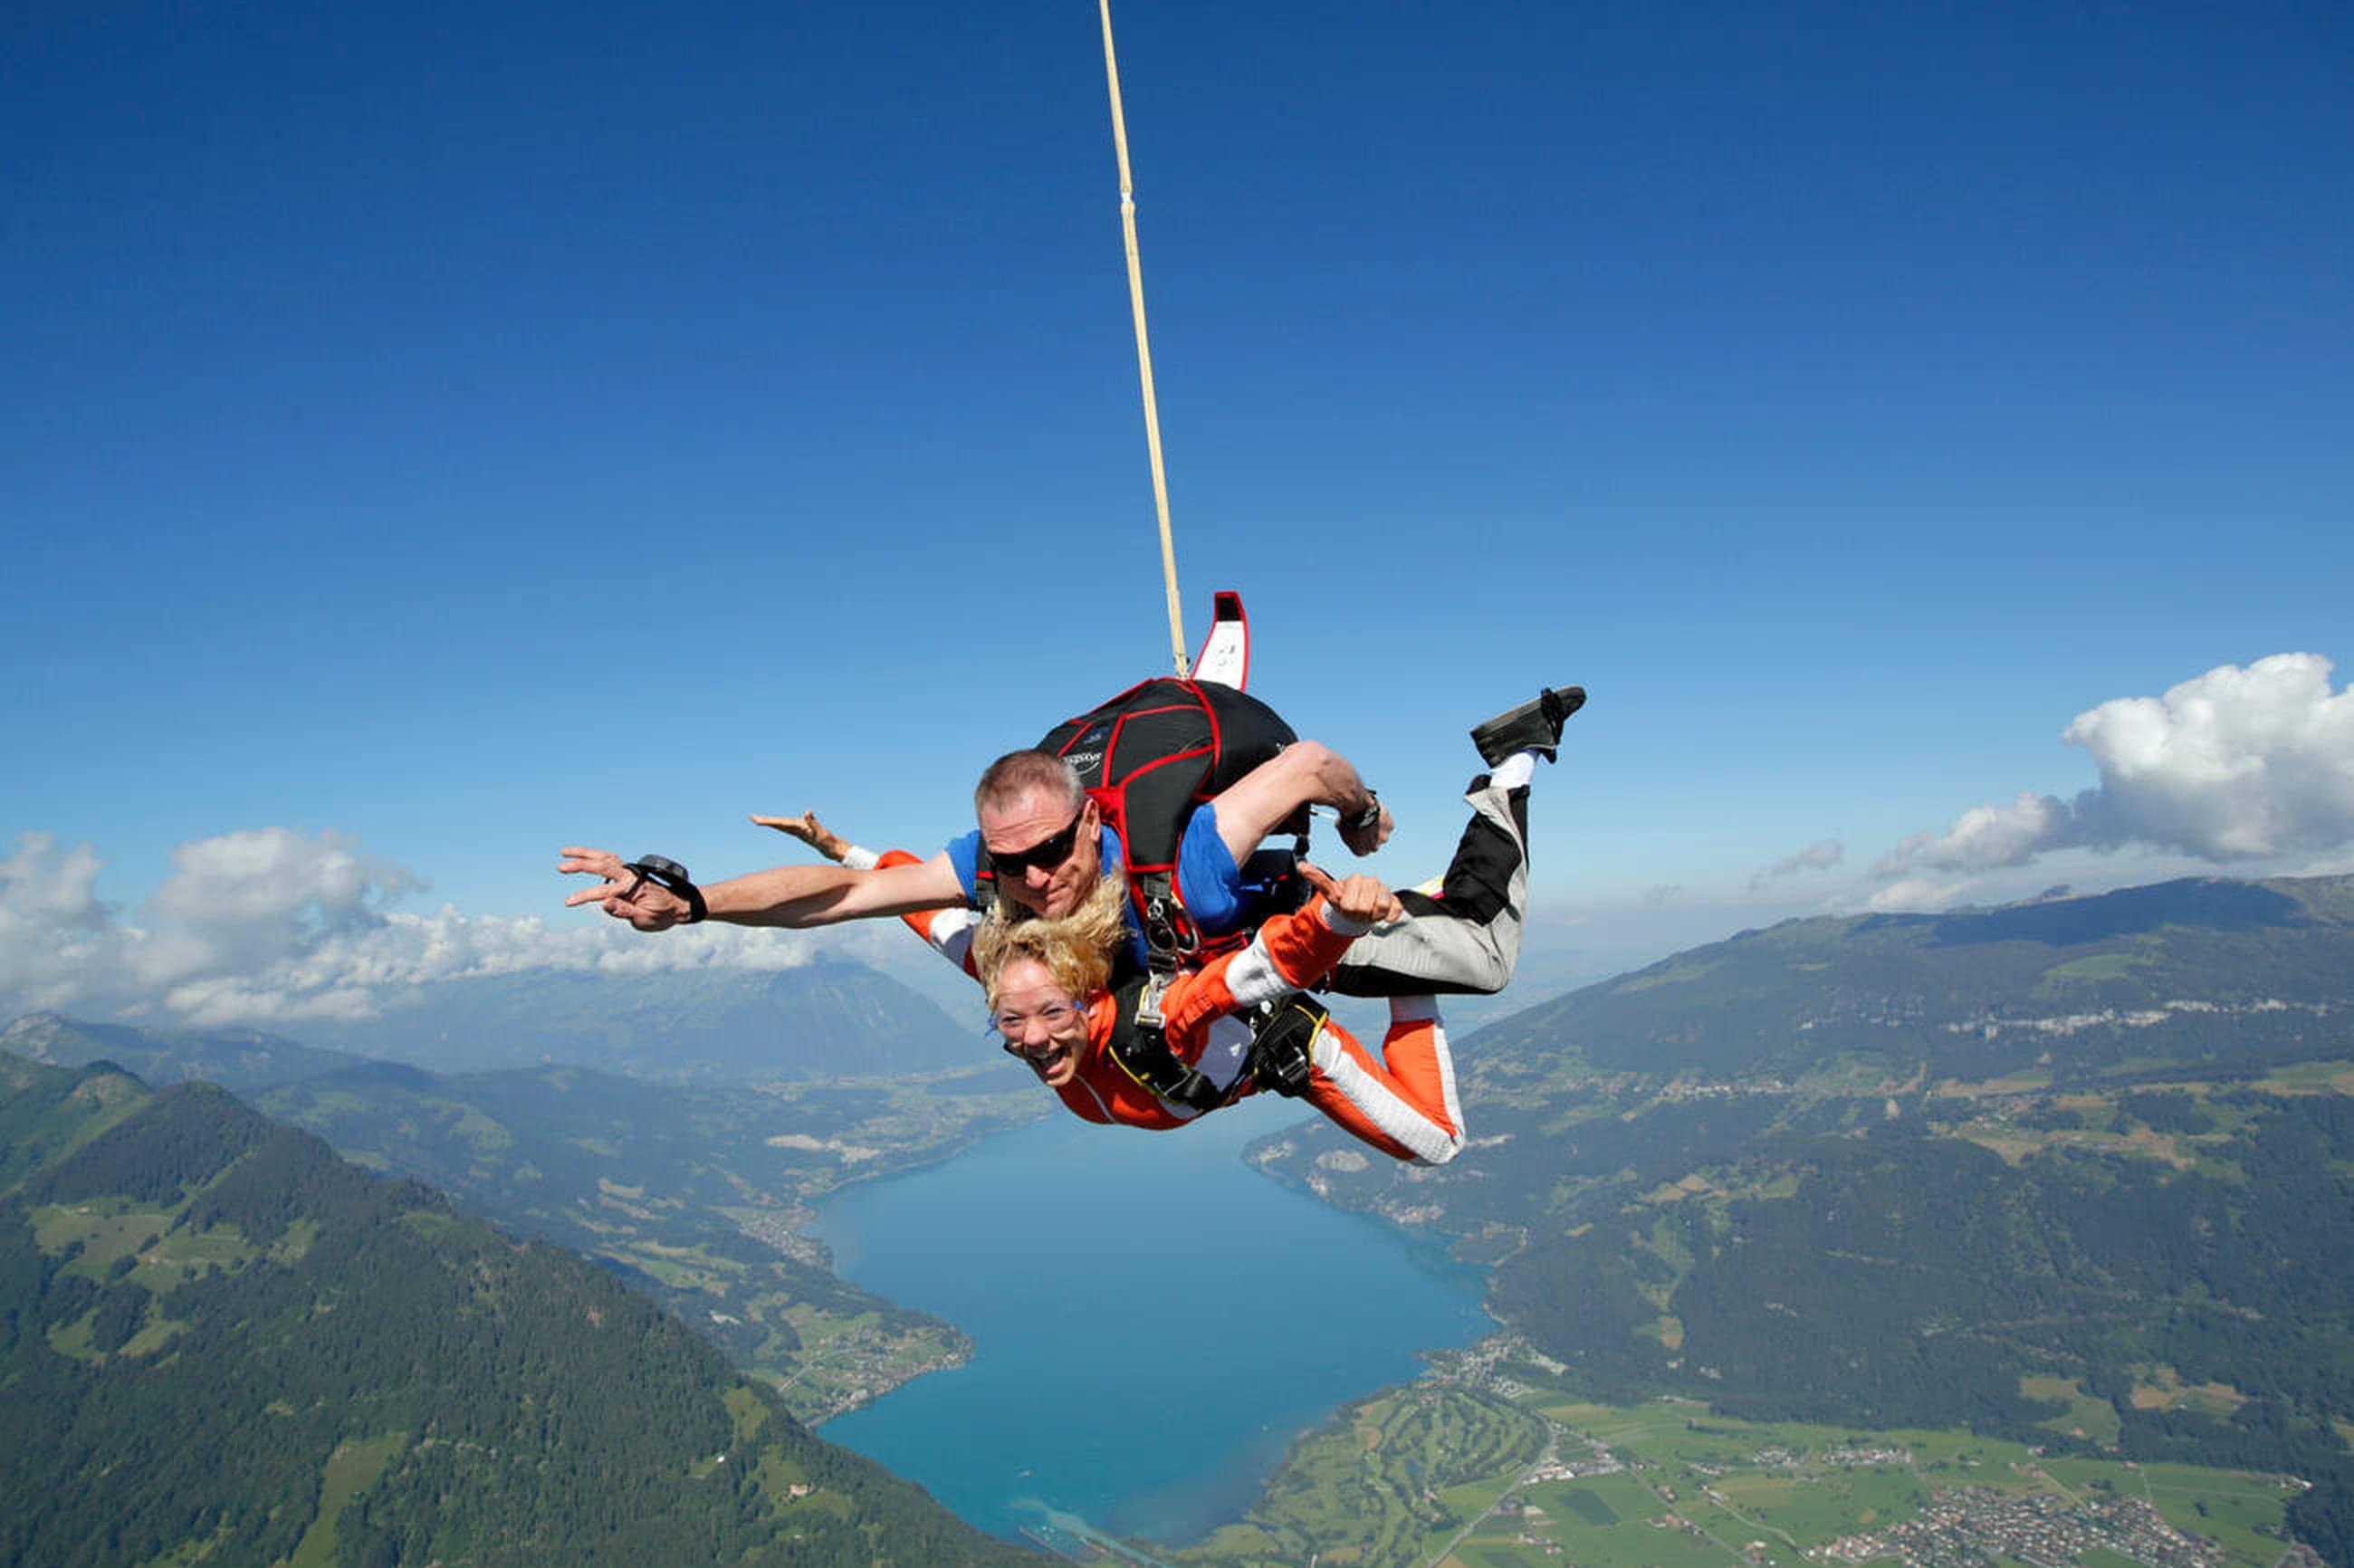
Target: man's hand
1363 837
811 832
1361 897
625 895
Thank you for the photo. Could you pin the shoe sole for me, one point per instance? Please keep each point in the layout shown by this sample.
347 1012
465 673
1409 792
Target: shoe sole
1572 698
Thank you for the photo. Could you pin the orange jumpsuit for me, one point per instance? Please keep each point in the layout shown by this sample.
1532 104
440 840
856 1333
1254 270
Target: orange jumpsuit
1402 1102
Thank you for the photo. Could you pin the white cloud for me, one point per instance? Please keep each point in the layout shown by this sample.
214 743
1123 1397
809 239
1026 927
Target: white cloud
50 887
1820 856
2236 765
56 937
1986 838
270 926
243 902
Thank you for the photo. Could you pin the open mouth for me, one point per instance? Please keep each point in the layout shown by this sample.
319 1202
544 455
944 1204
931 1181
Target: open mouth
1052 1063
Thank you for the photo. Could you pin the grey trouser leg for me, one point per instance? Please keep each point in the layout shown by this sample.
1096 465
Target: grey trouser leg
1468 939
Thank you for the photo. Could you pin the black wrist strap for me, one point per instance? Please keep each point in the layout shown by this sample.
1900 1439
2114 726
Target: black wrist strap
1371 817
669 875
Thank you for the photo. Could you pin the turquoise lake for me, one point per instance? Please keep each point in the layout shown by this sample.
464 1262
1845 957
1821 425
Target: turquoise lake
1153 1321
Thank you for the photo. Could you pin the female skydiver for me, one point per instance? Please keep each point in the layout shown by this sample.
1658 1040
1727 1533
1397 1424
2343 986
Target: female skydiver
1048 983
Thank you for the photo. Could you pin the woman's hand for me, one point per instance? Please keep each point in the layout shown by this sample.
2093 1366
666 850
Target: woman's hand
811 832
1360 897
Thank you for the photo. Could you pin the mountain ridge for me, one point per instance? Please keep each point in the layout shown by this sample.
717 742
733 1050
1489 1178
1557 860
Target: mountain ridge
1888 989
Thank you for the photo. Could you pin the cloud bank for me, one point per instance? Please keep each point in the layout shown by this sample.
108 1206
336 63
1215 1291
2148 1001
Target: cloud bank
2234 766
268 927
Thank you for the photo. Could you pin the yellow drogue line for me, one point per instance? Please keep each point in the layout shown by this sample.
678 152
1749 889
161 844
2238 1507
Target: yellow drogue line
1143 348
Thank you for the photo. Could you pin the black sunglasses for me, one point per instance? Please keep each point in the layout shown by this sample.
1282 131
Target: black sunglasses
1046 854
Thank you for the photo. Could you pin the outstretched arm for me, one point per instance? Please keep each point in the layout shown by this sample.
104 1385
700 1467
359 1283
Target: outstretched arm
788 896
1305 773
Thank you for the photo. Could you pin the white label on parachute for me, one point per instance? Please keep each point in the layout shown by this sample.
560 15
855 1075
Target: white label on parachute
1225 655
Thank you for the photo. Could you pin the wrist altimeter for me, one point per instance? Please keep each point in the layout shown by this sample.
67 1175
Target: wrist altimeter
671 877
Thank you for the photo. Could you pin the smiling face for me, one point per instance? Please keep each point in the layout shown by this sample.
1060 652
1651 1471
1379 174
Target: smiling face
1033 817
1043 1024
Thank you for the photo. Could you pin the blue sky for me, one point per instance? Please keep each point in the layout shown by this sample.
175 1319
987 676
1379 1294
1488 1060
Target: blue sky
436 435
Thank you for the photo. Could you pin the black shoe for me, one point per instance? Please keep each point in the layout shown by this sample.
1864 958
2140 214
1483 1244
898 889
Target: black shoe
1532 727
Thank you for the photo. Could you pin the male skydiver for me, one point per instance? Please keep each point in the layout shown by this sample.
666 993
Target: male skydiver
1048 854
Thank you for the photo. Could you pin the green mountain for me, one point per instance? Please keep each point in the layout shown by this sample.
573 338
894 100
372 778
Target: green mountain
2080 1171
219 1341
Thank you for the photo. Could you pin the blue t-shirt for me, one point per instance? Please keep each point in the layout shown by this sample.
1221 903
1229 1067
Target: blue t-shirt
1214 893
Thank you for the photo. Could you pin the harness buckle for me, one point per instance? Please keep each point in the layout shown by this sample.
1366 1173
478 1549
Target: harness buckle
1169 932
1283 1044
1147 1003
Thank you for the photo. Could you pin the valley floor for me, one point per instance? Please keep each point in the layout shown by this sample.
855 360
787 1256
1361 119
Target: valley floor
1484 1463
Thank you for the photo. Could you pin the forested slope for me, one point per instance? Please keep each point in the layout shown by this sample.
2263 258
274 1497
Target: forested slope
2080 1171
219 1338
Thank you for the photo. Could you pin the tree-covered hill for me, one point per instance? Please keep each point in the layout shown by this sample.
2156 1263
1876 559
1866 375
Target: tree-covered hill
219 1341
2236 974
2080 1171
693 1194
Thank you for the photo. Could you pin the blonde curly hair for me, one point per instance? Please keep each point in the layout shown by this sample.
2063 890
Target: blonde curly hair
1076 949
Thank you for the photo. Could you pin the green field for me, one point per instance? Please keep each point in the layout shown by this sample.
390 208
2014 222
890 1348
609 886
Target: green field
1588 1505
1691 1489
106 1232
1389 1481
2234 1508
351 1468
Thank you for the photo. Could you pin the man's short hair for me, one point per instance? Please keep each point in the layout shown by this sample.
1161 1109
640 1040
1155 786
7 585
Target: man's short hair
1017 773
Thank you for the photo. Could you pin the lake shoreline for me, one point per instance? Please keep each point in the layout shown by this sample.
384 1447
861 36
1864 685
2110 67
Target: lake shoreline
1039 1248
